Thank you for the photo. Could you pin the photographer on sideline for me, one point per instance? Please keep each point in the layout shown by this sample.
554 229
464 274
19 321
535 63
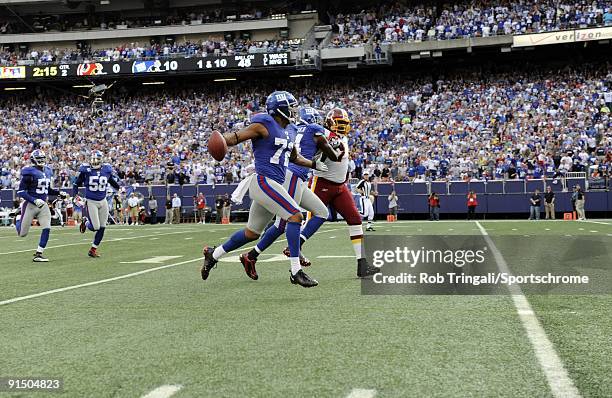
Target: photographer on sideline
534 205
549 203
176 209
169 213
153 209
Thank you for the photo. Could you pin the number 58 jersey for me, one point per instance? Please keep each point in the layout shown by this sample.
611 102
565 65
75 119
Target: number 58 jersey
95 181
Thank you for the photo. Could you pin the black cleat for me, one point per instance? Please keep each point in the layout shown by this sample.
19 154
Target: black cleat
249 266
209 262
370 229
93 252
364 269
83 225
38 258
304 262
300 278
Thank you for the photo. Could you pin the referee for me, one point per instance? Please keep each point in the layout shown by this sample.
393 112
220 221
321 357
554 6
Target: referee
364 188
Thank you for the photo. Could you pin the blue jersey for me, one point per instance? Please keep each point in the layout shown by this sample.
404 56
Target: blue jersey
304 141
96 181
36 183
272 153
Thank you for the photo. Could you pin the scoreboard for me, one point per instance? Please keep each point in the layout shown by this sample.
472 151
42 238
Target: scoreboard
146 67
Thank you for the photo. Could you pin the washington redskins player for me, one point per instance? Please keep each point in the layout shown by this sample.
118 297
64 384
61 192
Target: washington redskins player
330 186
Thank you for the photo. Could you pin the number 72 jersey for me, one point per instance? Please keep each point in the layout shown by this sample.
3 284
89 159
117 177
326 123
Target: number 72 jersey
95 181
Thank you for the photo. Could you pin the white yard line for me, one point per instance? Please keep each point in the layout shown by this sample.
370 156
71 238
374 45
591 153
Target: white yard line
596 222
361 393
106 241
164 391
561 385
99 282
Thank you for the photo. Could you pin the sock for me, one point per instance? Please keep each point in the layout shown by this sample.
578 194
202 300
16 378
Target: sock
98 237
40 250
356 234
44 238
310 228
293 238
89 225
238 239
18 224
218 253
253 253
295 265
268 238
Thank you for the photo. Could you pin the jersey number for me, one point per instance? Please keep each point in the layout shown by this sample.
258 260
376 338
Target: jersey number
43 186
298 139
282 146
98 183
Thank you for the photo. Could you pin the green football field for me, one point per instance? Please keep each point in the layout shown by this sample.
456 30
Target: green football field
140 318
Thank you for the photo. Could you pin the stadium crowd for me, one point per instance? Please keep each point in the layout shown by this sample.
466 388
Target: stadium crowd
134 51
398 22
12 22
533 123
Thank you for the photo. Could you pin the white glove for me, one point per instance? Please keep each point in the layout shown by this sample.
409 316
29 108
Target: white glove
319 165
39 203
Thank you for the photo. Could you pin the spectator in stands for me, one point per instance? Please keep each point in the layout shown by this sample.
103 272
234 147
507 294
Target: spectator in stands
434 207
549 203
580 200
169 211
534 205
472 202
176 209
393 203
153 209
133 208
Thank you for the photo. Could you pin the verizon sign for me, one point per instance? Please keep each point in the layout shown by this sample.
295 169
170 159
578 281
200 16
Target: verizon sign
594 34
540 39
565 36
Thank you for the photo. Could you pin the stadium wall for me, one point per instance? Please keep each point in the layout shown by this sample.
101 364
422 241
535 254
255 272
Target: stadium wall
412 198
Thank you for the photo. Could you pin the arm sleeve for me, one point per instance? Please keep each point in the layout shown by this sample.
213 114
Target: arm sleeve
113 183
26 180
79 181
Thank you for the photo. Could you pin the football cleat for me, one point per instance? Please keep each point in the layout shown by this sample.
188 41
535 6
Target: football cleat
209 262
83 225
304 262
364 269
38 258
302 279
93 252
249 266
370 229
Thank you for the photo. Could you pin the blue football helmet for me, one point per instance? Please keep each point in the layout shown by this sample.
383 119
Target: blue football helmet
96 159
283 104
310 115
39 158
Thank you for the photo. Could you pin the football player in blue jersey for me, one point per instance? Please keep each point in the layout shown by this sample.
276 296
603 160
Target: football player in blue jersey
273 149
309 139
34 188
95 176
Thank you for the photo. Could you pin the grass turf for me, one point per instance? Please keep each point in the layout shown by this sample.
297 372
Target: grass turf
230 336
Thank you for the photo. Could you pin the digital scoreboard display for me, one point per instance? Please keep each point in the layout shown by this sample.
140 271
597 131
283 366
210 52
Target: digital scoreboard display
146 67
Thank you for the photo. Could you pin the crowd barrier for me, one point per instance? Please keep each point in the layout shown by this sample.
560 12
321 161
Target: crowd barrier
494 197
